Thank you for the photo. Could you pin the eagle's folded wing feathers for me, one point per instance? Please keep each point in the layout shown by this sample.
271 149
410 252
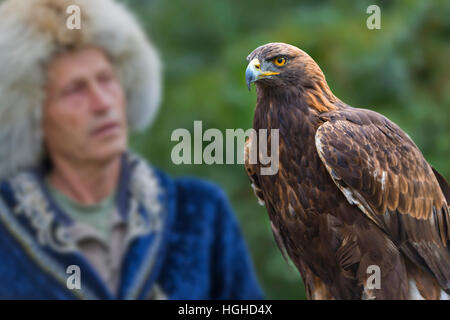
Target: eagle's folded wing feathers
380 169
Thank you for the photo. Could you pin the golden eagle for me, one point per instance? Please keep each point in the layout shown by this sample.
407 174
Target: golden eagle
352 191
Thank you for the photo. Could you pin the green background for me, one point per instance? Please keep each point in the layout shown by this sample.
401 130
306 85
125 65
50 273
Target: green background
401 71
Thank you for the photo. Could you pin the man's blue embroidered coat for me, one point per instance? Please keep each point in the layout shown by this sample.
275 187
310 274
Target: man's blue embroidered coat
183 241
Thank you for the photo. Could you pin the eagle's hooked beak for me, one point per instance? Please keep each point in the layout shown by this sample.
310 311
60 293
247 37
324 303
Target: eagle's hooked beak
254 72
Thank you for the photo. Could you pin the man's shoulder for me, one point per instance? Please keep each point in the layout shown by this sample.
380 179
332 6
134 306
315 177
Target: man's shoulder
196 187
192 187
196 200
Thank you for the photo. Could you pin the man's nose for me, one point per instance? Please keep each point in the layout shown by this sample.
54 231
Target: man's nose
100 98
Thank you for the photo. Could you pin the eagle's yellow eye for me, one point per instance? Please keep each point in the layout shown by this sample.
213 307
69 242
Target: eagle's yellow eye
280 61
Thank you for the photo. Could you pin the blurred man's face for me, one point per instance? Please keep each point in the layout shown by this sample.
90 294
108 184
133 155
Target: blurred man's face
84 113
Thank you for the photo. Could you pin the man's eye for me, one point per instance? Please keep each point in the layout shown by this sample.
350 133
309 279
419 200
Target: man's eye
105 77
280 61
73 89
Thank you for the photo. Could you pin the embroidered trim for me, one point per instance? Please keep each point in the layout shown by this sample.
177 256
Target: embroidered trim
146 191
36 253
32 203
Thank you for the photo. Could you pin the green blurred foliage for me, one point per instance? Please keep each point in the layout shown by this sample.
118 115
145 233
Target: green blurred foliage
401 71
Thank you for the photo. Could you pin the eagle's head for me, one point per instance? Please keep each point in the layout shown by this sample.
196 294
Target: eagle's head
282 65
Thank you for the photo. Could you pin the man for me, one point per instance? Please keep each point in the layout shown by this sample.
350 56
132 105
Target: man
80 215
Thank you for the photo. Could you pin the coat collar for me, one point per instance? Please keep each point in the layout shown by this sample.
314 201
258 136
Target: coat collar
143 202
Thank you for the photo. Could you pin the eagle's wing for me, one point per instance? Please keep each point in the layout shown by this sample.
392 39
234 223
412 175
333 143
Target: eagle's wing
380 169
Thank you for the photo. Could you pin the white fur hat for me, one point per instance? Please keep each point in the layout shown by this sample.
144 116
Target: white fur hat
31 33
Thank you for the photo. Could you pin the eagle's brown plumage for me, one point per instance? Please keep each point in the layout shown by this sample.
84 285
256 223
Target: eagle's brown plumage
352 190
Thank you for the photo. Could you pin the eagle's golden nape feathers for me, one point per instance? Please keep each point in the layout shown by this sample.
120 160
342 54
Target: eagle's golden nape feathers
300 69
352 191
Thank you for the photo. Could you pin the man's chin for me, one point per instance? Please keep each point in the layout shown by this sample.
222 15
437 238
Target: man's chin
106 154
